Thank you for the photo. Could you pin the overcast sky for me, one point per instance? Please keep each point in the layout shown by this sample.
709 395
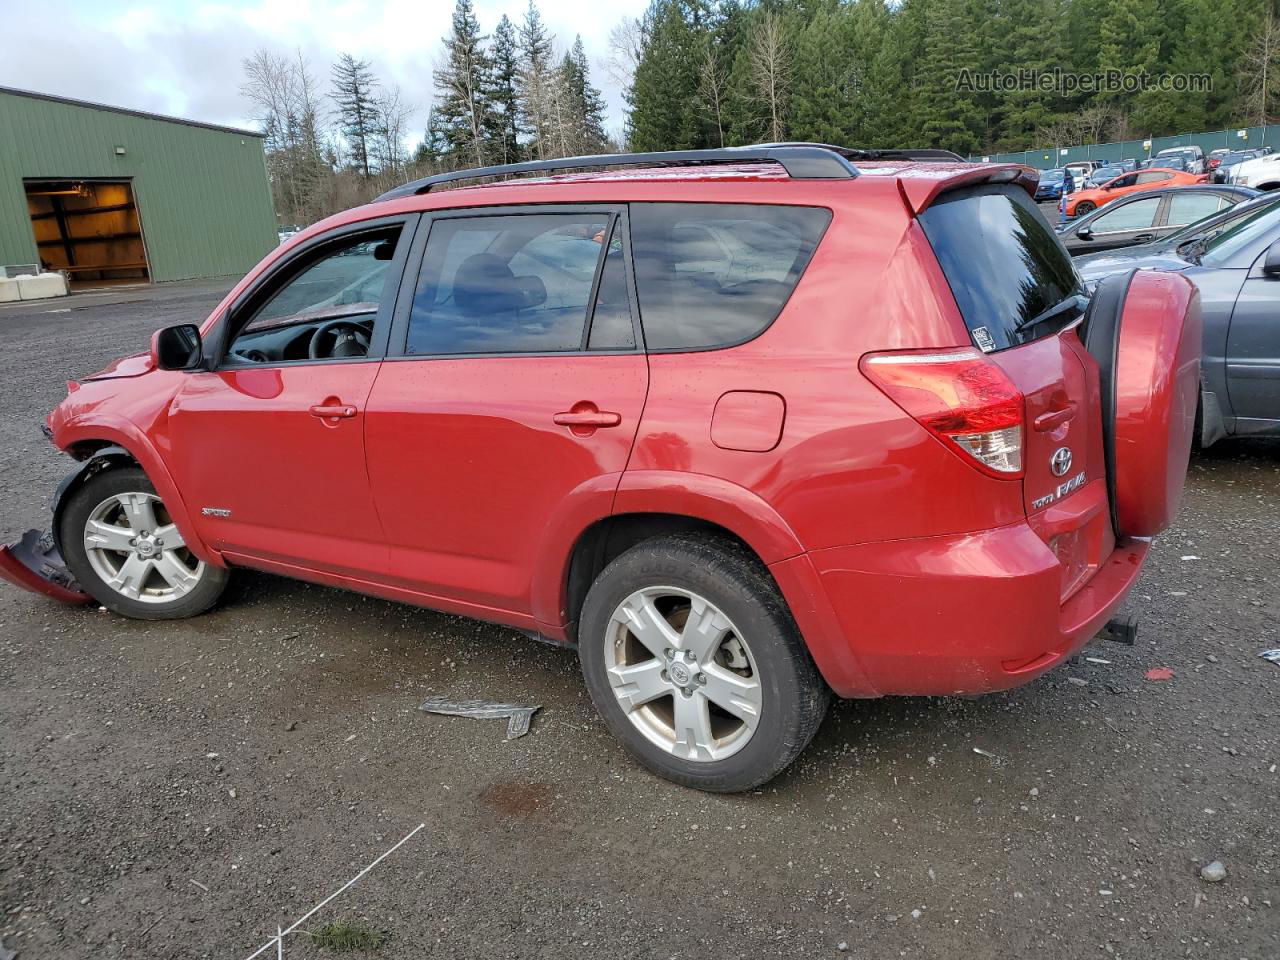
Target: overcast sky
184 59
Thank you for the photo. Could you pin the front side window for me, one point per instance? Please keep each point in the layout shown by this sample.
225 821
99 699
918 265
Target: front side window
712 275
1132 216
518 283
326 310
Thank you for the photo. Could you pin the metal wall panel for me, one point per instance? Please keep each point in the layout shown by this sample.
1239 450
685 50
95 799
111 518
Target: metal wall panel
202 193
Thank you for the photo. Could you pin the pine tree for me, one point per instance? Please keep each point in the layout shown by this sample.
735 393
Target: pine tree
587 101
948 117
353 95
535 80
665 109
1031 36
506 68
468 121
827 105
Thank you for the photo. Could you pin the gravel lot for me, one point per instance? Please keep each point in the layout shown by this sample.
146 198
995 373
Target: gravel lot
178 790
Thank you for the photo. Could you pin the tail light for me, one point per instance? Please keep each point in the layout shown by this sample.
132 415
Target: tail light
961 397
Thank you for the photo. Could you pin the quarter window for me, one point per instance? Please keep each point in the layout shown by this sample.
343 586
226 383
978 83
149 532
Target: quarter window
711 275
506 284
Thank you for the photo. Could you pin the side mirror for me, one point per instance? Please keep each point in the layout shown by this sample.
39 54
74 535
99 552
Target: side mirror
177 348
1084 233
1271 264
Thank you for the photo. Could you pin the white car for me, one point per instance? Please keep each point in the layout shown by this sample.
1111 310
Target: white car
1261 173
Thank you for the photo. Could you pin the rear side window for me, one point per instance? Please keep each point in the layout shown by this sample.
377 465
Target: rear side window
506 284
1003 263
712 275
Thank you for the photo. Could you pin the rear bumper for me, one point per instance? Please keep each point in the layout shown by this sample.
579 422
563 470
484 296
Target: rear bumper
964 614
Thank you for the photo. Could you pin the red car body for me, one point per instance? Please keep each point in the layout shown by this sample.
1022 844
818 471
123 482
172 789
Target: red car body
471 484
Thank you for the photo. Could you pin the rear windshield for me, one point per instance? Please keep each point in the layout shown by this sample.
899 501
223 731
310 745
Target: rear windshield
1003 262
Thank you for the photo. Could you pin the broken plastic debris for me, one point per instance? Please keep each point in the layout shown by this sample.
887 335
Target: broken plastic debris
518 716
1160 673
1272 655
989 755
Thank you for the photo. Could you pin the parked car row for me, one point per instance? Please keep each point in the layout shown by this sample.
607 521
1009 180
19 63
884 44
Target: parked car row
1147 216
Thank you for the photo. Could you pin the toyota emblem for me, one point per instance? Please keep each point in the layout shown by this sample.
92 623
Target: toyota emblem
1060 462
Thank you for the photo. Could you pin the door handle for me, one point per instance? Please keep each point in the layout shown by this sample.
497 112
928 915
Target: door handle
333 411
1144 238
1055 418
587 418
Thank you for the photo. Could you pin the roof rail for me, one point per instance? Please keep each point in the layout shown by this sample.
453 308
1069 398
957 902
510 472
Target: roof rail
892 153
802 161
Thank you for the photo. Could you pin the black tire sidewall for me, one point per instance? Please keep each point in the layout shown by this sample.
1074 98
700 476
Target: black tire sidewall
792 690
71 523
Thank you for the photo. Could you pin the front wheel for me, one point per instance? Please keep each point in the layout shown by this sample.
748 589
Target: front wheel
124 549
1084 207
692 658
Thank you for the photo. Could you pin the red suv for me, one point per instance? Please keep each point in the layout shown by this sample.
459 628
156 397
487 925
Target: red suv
748 427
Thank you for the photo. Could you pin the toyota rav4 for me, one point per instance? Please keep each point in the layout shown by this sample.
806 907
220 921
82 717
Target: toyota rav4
747 427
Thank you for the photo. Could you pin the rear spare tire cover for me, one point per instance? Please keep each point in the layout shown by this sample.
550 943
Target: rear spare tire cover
1150 388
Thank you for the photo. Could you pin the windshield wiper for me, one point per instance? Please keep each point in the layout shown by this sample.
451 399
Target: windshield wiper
1077 301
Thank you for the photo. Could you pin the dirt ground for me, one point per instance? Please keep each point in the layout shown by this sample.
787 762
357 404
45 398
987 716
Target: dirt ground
177 790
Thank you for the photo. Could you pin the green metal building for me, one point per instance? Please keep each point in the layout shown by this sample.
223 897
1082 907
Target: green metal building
114 195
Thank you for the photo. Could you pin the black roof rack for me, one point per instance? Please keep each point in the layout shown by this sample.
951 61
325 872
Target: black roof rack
801 161
922 154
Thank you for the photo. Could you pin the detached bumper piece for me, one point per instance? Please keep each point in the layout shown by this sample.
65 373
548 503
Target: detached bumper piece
35 564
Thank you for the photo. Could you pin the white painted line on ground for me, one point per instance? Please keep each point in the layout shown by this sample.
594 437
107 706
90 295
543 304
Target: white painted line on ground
278 940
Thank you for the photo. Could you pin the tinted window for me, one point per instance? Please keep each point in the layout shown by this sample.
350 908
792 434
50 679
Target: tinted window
1051 176
1132 216
346 281
1260 226
611 326
1005 266
506 284
1190 207
715 274
1153 177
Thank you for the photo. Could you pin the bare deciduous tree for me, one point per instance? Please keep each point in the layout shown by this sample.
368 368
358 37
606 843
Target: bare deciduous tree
712 78
770 62
626 40
1260 68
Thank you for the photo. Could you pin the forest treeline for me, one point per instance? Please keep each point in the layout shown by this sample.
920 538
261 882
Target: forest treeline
967 75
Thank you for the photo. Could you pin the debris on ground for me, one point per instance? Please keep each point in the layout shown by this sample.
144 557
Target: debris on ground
342 937
989 755
518 716
1272 655
5 953
1160 673
199 884
1213 872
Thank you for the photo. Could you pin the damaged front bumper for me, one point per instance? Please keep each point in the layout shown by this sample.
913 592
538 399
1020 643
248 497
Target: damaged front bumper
35 564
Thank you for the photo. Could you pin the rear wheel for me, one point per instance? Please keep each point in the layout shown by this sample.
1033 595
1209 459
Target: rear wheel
124 549
693 660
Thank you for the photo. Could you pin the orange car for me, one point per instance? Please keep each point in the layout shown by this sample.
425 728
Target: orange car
1086 201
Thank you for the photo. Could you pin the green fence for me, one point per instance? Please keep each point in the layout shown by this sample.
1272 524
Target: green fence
1240 138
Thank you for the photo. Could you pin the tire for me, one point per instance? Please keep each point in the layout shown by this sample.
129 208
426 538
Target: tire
688 576
146 593
1085 207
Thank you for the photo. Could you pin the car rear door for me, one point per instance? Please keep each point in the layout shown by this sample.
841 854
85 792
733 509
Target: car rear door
1253 352
510 398
1119 225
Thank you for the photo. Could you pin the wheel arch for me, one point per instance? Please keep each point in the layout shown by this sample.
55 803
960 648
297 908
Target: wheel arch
110 446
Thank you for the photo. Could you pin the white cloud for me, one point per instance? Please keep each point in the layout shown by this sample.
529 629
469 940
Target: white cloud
184 59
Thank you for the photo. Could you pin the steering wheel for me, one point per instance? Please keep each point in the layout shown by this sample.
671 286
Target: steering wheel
354 342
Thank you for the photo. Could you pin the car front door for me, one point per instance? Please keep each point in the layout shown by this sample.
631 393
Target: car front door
1253 350
509 400
268 446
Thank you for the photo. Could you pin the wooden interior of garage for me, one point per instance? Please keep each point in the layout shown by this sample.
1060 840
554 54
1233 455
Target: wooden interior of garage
88 228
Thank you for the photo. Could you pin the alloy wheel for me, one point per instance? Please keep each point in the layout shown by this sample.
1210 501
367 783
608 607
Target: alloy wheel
683 675
135 549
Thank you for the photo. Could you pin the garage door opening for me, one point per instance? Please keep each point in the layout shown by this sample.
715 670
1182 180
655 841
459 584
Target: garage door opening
90 229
